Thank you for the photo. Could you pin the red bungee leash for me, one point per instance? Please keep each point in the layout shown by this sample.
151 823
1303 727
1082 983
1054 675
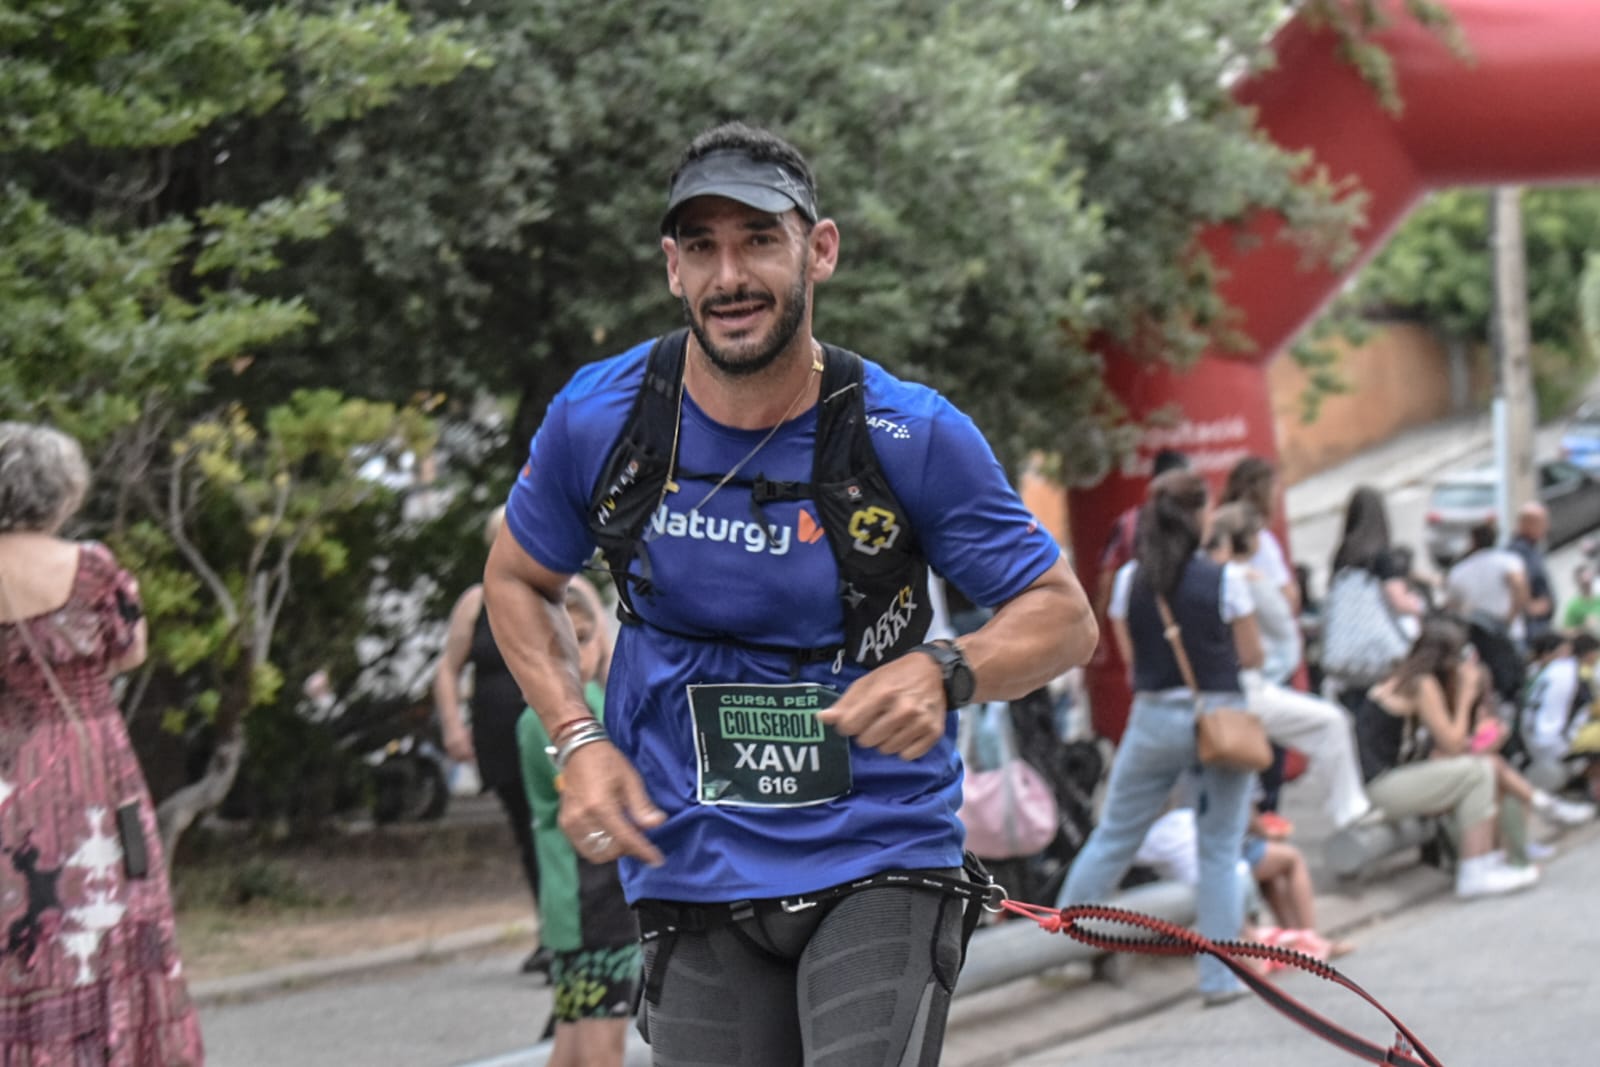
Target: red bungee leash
1173 940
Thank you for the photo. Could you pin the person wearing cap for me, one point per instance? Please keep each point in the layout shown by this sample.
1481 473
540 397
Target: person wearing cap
766 786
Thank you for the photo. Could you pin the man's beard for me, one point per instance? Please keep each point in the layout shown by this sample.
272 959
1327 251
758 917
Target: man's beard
751 362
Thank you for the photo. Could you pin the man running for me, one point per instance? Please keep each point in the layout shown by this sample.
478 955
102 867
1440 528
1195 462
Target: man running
778 749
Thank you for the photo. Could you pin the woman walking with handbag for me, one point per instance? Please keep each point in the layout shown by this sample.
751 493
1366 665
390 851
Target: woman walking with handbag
1183 666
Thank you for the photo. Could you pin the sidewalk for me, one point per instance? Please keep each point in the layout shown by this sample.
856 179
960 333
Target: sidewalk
1406 458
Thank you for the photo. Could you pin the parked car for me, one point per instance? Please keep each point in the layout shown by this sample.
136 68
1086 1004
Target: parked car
1464 499
1580 439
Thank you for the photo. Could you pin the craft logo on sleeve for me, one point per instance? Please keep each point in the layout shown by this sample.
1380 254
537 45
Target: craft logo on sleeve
763 746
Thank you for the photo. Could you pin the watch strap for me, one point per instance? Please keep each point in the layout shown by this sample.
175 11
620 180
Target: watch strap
954 670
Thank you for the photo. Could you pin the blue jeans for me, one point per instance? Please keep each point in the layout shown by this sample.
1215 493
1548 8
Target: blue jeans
1156 751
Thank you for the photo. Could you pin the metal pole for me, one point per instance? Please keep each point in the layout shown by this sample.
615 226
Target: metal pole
1514 459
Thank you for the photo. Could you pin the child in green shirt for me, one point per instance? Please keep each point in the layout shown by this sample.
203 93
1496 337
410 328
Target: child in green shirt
585 920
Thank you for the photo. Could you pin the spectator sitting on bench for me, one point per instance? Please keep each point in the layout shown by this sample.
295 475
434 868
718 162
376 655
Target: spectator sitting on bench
1436 689
1556 708
1279 870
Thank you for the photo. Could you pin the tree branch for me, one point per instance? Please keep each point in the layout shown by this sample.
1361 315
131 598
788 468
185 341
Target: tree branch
280 508
174 523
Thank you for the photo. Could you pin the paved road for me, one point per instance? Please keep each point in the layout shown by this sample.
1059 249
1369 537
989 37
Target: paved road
419 1016
477 1009
1490 983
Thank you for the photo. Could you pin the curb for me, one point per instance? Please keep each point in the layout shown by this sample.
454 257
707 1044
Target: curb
289 976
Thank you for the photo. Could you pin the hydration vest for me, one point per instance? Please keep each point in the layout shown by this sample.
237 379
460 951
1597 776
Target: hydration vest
883 577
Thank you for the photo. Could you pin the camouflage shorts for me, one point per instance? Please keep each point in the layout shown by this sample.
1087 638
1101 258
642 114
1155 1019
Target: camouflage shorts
595 983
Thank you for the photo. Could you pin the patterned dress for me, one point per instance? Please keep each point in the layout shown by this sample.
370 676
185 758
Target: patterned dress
89 970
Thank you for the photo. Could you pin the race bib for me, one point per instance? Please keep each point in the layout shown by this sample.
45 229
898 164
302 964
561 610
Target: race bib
762 746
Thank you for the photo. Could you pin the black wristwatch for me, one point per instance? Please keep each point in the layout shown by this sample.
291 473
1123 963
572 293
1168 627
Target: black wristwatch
958 680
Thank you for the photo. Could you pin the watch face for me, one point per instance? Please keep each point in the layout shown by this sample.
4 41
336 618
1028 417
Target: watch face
958 683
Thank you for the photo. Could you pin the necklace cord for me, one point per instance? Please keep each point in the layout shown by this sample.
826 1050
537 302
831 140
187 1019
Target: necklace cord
816 368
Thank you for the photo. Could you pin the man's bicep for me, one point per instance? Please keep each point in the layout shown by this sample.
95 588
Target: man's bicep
510 562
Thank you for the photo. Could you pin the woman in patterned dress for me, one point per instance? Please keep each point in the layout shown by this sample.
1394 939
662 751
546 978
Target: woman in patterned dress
89 969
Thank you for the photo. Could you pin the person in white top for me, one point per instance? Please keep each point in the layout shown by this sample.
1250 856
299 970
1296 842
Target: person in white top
1254 481
1556 707
1318 728
1488 586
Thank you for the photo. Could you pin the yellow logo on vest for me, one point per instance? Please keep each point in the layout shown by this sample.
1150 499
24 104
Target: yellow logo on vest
873 529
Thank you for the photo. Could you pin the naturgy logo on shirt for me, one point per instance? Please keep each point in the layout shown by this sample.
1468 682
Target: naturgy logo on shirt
697 527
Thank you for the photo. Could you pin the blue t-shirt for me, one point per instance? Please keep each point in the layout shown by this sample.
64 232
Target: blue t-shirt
716 573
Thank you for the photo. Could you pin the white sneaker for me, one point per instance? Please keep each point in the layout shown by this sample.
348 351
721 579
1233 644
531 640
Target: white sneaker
1482 876
1564 812
1538 851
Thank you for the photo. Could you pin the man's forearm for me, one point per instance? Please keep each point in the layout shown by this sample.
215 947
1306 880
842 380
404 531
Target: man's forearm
536 640
1044 631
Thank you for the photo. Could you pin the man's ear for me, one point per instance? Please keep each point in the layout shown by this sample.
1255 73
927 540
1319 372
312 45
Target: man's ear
824 242
670 247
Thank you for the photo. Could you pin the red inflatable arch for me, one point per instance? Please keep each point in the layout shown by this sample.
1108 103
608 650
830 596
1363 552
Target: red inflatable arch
1524 109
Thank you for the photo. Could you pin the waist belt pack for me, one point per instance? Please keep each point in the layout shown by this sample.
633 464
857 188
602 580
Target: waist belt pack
663 921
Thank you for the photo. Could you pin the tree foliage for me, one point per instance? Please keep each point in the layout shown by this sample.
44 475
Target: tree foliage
125 293
1438 265
1439 268
1013 180
244 238
1589 302
1357 21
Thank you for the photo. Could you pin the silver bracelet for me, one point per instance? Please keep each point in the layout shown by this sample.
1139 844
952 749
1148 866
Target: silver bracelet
588 733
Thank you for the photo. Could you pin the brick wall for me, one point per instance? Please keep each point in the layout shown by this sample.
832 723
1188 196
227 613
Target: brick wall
1400 378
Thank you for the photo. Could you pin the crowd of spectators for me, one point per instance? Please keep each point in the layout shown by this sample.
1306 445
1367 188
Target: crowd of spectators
1471 709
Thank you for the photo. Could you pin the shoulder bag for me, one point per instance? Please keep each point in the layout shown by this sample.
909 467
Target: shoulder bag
1230 738
1361 639
1008 809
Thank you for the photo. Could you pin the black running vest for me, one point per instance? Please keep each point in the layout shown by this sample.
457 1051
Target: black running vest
883 577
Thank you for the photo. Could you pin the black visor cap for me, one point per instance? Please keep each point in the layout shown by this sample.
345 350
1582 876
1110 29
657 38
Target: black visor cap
765 186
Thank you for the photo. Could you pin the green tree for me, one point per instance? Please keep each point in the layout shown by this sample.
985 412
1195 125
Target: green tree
1014 180
1589 303
1438 268
127 291
216 212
